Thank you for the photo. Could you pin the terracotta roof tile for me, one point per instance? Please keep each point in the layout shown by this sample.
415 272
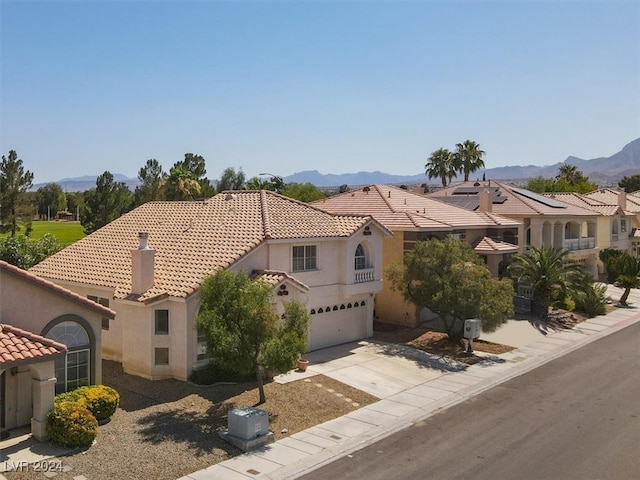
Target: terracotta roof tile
489 245
587 202
401 209
191 240
41 282
17 345
609 196
275 277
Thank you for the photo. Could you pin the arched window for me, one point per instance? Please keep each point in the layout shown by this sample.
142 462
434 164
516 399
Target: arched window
360 258
74 369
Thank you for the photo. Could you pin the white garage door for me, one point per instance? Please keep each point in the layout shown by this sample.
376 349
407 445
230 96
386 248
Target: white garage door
335 327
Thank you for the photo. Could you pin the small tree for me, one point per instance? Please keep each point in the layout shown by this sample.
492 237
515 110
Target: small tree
547 271
631 183
627 269
152 179
448 278
241 328
231 180
305 192
14 182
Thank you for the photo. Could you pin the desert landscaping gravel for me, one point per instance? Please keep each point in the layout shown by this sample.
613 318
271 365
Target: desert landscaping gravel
167 429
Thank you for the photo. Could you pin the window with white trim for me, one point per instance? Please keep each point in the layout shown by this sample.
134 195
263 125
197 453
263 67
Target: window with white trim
360 259
304 258
73 369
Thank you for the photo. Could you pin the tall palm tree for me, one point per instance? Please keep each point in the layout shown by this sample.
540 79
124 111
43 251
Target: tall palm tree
547 271
440 164
469 157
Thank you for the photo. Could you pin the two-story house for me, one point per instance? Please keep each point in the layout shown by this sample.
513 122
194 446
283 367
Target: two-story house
547 221
50 342
413 217
615 225
149 263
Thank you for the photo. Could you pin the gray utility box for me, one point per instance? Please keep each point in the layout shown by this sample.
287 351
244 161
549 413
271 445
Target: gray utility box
248 423
472 328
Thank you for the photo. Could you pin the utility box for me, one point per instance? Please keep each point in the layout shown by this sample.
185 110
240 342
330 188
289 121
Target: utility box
248 423
472 328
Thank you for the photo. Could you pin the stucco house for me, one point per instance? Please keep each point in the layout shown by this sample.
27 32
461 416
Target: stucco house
629 202
547 221
149 263
50 341
615 224
413 217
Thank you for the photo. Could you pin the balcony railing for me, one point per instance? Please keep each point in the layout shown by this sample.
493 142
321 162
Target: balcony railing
580 243
364 275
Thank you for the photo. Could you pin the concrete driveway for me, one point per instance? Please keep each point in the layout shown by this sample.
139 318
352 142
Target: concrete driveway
377 368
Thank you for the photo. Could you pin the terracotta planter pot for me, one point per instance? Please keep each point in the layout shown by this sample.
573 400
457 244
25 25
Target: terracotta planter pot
303 364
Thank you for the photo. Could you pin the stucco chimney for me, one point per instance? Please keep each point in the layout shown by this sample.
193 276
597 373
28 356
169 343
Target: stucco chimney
486 202
622 200
142 265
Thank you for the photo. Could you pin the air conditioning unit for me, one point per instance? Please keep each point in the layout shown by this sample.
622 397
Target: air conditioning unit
248 423
472 328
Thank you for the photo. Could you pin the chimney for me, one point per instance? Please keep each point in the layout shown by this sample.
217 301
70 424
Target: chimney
142 265
622 200
486 202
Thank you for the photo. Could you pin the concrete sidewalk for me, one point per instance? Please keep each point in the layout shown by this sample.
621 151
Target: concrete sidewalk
411 385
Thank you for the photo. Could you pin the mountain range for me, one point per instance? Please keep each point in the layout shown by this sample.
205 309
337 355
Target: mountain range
604 171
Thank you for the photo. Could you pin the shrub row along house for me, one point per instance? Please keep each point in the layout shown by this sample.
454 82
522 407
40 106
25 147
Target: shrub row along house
148 265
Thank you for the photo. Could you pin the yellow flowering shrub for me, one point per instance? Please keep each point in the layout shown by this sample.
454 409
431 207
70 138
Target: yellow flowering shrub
70 424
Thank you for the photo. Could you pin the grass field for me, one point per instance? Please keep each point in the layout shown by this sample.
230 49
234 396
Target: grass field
66 232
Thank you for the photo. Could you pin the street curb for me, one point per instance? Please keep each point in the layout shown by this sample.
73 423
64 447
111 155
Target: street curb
331 454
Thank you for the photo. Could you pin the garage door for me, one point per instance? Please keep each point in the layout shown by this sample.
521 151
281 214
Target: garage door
333 327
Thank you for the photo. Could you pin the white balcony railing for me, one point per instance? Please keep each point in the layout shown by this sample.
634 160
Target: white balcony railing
364 275
579 243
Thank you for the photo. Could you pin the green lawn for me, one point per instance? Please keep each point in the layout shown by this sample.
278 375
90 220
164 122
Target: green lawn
66 232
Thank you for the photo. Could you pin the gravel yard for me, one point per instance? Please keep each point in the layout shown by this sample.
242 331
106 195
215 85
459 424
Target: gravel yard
167 429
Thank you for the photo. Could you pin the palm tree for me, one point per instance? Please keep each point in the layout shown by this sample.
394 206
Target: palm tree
469 157
547 271
628 274
441 165
569 173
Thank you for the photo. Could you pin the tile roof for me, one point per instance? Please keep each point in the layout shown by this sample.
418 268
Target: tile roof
52 287
17 345
585 202
489 245
191 240
402 209
275 277
516 204
610 197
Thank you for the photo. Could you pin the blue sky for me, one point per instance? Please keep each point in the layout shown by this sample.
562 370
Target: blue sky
281 87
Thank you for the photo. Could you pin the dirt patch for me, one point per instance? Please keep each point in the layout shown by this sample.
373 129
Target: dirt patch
167 429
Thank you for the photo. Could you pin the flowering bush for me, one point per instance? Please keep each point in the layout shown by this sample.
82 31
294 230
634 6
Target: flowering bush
101 400
70 424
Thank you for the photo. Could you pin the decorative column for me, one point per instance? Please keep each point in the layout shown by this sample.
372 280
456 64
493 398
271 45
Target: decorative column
43 391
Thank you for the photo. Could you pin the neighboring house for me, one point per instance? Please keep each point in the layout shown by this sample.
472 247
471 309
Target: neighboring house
50 341
615 225
149 263
629 202
546 221
413 217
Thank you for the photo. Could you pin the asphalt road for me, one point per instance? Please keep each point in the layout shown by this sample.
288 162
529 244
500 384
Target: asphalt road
577 417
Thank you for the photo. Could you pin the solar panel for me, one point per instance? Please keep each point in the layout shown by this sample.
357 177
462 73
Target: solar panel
474 190
549 202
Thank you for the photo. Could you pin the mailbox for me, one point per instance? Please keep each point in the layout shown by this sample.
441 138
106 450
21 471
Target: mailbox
472 328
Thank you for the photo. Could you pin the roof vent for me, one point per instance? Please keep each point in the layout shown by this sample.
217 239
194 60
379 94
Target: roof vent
366 189
229 197
477 184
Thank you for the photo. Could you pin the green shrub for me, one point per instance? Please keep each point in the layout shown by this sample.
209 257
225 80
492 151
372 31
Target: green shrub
71 425
212 373
593 300
101 400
